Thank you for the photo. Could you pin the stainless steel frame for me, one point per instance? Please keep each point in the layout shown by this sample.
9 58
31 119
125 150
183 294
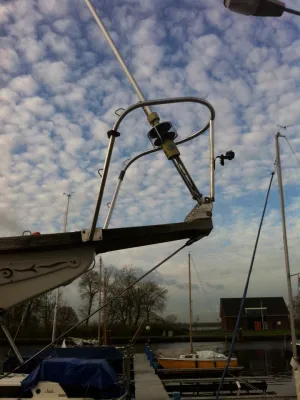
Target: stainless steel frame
210 125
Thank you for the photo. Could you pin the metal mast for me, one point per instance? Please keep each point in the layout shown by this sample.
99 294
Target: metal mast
285 244
100 299
294 361
190 304
69 195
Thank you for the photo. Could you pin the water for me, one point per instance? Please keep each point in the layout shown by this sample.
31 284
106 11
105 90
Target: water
268 359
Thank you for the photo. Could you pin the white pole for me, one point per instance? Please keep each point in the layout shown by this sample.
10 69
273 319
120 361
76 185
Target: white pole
190 304
116 52
294 361
57 290
262 316
100 289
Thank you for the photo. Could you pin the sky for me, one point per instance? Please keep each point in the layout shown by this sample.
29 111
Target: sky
61 86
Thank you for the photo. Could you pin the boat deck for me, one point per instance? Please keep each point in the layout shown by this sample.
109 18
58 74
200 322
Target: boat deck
147 384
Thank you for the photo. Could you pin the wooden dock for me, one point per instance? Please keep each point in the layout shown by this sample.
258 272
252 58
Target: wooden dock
147 384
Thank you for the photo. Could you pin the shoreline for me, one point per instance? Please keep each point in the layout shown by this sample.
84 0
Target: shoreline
205 337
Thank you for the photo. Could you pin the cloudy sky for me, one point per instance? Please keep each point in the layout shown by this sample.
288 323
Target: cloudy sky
60 87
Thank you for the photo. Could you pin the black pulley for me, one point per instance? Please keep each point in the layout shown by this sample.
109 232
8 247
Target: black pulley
161 132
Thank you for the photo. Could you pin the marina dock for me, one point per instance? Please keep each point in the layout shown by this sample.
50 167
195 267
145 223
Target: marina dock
147 384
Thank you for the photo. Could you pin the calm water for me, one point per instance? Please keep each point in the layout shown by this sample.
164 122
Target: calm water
258 358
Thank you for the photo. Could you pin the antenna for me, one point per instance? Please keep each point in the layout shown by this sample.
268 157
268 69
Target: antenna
284 127
69 195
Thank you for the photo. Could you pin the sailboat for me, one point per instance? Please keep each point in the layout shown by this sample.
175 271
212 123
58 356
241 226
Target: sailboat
206 360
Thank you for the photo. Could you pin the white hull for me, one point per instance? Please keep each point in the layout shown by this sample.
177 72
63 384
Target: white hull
43 390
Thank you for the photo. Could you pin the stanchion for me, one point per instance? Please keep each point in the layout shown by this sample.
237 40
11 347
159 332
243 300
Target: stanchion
150 357
155 366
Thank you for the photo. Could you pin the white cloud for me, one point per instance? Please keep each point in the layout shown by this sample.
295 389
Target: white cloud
9 60
37 106
56 8
33 50
51 73
24 84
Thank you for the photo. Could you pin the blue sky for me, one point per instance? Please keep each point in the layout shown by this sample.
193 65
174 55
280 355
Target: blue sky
60 87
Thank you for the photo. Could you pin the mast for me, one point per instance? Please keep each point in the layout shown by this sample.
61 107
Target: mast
105 281
57 290
100 288
294 361
190 304
286 250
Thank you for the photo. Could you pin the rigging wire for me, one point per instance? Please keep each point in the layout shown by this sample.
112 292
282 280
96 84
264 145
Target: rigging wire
61 336
246 383
202 286
237 325
293 151
18 329
298 161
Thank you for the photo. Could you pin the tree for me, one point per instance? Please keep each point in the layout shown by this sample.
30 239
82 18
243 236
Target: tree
45 309
171 319
88 287
154 299
66 317
143 300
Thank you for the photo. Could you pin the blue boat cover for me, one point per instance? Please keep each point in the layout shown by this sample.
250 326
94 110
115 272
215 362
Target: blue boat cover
109 353
96 374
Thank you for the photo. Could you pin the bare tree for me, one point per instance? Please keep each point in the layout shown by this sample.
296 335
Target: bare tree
142 300
45 305
154 300
171 319
66 317
88 287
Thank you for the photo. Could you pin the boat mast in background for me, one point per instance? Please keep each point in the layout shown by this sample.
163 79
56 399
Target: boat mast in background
69 195
190 303
294 361
100 298
105 284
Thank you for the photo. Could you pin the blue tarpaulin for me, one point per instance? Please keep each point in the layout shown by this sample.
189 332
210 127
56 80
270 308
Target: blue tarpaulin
95 374
109 353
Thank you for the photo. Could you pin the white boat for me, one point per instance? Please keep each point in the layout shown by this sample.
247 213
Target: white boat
67 378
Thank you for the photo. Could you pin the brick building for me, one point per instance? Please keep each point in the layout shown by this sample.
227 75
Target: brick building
259 313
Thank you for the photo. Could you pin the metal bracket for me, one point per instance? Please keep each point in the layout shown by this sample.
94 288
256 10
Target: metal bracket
85 235
200 211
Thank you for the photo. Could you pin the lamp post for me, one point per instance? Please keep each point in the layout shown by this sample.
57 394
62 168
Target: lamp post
259 8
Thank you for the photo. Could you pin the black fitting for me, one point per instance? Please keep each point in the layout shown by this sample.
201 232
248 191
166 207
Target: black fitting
113 133
193 240
230 155
160 133
121 176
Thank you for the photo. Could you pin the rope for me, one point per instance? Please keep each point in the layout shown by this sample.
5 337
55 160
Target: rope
202 287
246 383
290 146
237 325
188 243
18 329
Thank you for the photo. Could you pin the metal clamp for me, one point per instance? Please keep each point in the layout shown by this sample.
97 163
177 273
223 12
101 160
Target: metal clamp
85 235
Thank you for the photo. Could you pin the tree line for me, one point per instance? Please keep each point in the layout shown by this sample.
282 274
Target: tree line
145 301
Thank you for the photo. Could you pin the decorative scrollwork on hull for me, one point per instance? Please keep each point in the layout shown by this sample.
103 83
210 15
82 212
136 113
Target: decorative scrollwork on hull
16 271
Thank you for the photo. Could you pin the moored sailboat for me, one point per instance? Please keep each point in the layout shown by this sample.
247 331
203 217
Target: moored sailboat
203 360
